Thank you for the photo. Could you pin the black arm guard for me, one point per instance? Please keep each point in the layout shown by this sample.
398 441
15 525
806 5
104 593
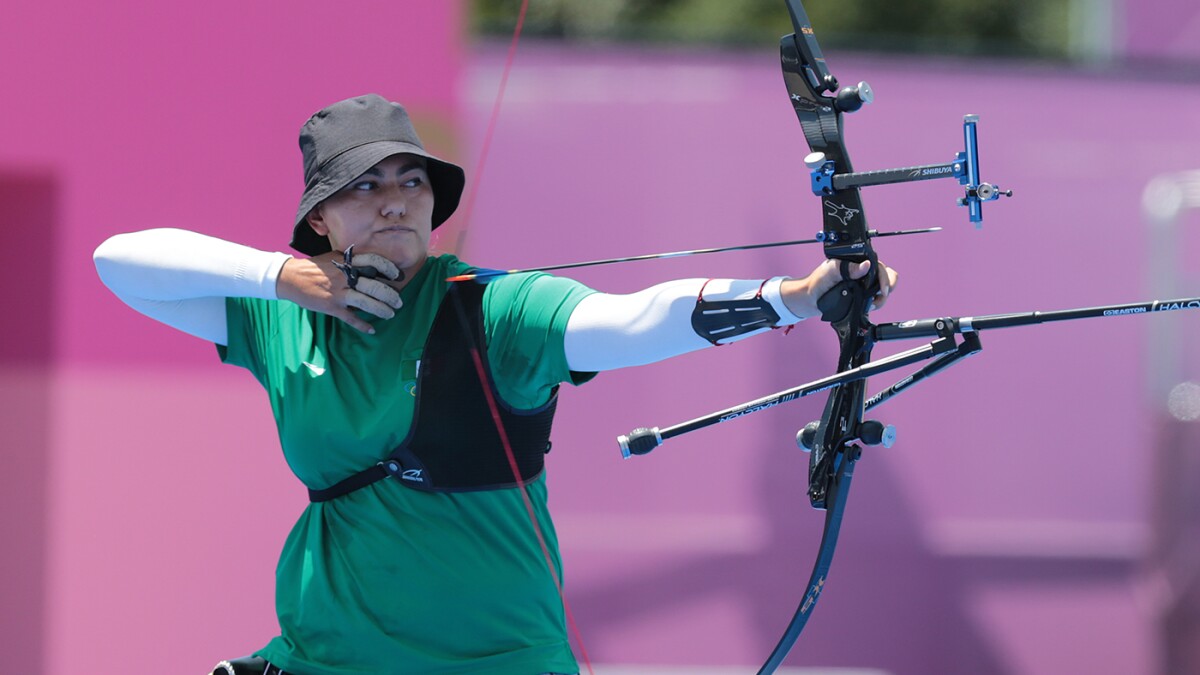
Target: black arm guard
724 319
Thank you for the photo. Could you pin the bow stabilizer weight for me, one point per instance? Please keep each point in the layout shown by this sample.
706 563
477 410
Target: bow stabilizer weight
872 432
639 441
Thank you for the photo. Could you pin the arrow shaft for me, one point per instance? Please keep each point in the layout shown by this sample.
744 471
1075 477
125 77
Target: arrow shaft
484 274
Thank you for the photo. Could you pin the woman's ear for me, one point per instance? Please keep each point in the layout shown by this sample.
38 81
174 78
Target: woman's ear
316 220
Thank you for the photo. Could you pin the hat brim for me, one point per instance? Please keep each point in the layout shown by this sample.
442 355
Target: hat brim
446 179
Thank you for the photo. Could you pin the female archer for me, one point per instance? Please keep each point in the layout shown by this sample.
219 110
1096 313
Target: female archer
418 411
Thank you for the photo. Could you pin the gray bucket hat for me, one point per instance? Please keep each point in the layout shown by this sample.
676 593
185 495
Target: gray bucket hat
342 141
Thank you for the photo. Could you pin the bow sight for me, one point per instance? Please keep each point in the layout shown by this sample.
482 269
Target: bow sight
965 167
810 84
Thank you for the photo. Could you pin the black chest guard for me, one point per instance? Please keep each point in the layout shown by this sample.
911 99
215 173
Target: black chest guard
454 444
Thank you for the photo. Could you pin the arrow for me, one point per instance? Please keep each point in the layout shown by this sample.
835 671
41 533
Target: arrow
485 275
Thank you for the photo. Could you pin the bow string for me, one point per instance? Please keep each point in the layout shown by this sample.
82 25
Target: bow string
479 363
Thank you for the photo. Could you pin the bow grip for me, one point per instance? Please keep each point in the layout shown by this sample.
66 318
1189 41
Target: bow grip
838 302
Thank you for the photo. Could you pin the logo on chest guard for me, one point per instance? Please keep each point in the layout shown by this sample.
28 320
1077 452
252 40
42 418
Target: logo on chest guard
413 475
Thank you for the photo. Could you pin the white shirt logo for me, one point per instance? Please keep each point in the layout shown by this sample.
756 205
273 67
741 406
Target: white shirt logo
315 370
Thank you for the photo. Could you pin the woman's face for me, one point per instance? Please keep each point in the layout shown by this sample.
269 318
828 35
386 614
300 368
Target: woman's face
388 210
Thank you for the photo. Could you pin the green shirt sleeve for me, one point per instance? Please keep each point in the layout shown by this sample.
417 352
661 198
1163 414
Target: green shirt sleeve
525 316
250 324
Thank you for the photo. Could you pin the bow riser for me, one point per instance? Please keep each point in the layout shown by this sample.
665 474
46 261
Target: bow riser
819 108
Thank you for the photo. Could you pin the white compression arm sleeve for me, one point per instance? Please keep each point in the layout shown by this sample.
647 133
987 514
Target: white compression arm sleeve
615 331
182 278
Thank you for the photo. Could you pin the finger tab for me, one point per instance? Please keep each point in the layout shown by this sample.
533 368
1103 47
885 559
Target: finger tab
380 291
369 305
381 264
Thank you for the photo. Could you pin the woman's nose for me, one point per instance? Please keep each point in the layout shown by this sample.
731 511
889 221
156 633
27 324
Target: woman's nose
394 204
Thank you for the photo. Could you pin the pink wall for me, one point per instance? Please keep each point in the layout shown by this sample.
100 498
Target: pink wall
1162 30
145 499
1016 501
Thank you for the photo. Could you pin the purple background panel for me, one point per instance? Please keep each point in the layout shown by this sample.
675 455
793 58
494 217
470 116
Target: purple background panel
1163 30
1004 533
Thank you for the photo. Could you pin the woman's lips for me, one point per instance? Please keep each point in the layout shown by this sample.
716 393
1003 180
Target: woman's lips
394 229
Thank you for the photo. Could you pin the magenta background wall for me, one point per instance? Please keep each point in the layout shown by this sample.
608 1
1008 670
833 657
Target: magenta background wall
1164 30
145 498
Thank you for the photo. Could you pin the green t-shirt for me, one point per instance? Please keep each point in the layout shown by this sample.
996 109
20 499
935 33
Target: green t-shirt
389 579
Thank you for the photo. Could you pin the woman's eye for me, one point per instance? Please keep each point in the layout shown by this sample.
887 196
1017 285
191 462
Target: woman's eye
414 182
364 186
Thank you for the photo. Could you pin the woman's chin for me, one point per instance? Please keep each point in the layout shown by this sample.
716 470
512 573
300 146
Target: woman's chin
403 254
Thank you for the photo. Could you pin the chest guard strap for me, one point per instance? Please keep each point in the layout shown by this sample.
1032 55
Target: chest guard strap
453 444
